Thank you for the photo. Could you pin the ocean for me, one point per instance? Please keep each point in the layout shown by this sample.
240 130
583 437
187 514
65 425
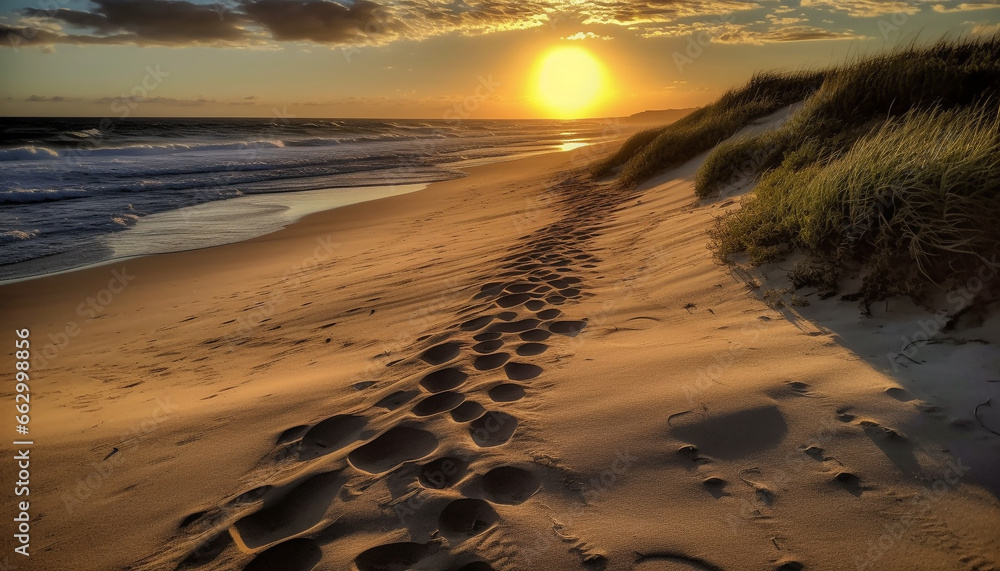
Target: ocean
80 191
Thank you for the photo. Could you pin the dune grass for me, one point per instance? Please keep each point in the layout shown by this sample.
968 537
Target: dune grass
915 201
651 151
858 97
891 166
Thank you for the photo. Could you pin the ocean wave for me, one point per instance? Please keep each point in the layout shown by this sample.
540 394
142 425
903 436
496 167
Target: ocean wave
173 148
18 235
85 134
31 153
20 196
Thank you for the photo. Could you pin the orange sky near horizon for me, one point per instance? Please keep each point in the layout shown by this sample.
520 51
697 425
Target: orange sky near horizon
432 58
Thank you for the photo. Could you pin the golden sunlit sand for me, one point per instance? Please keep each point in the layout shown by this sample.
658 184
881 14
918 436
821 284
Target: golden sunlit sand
521 368
485 285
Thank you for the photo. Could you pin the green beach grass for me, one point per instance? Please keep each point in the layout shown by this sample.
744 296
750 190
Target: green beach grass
891 165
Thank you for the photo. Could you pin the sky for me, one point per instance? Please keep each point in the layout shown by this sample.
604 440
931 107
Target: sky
431 59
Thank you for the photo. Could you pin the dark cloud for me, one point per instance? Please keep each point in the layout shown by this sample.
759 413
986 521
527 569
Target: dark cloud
95 22
17 36
369 22
163 22
320 21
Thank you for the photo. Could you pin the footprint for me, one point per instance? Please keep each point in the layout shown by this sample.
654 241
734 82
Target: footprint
393 556
298 510
816 453
396 399
715 486
440 354
548 314
733 435
492 288
671 562
191 518
476 324
207 551
492 361
569 328
535 335
521 371
512 300
531 349
396 446
467 411
487 346
291 434
488 336
300 554
515 326
849 482
492 429
520 288
443 472
509 485
899 394
443 380
331 435
439 402
467 517
507 392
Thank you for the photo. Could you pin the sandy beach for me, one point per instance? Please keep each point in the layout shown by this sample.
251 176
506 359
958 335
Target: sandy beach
522 369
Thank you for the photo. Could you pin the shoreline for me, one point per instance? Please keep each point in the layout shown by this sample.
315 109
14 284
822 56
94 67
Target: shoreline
307 202
645 387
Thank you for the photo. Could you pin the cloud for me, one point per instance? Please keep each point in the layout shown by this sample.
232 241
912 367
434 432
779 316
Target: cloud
941 8
585 36
163 22
653 11
865 8
50 99
267 23
985 29
321 21
754 34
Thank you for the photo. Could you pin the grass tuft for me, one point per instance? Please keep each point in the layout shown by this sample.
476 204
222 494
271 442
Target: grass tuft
891 165
648 152
914 201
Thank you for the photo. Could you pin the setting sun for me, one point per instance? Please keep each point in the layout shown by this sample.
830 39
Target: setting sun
570 80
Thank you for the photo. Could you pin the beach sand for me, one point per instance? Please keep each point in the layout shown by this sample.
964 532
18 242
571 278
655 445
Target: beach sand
522 367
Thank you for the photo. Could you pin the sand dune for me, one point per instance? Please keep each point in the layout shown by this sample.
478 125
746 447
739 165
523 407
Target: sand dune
518 370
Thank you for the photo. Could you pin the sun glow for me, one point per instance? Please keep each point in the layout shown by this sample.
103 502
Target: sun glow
569 82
